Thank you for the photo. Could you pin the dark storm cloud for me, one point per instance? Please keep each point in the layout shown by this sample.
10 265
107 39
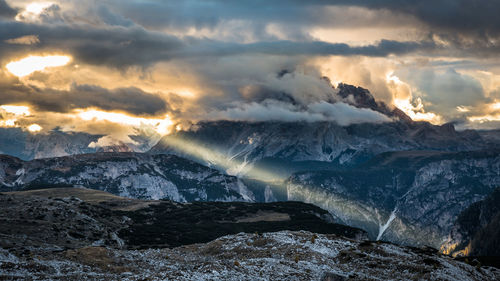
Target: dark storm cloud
119 46
120 42
381 49
131 100
202 13
6 10
478 16
114 46
469 27
464 15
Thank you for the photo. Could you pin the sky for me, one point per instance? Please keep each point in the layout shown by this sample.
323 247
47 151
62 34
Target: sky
125 67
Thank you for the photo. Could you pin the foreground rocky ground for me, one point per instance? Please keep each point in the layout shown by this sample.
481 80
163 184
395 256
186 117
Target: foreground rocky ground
78 234
283 255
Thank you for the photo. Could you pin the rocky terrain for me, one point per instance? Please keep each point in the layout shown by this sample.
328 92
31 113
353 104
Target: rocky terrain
25 145
282 147
75 234
60 218
133 175
408 197
401 181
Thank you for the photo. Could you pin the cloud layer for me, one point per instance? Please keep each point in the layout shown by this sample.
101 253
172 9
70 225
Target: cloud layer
251 60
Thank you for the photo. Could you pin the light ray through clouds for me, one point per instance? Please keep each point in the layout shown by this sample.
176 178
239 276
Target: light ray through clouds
357 213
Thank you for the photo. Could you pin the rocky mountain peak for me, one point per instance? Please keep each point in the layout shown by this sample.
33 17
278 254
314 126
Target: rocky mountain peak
362 98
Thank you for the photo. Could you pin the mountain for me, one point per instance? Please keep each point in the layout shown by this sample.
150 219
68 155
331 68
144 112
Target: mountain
133 175
85 234
27 146
476 232
237 147
402 181
492 137
280 148
362 98
408 197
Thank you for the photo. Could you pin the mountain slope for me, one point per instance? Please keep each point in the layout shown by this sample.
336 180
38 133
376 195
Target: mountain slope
254 144
76 236
405 197
78 217
476 232
27 146
133 175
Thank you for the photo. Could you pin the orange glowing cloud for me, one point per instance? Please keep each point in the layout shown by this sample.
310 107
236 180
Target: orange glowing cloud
30 64
161 126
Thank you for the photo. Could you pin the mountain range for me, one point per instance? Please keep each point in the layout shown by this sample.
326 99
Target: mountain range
402 181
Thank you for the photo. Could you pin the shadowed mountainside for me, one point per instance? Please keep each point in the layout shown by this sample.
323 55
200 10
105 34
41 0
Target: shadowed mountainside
61 218
477 230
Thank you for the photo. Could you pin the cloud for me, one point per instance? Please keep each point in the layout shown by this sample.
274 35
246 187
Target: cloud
314 48
473 18
121 47
269 111
461 15
339 112
234 59
6 10
131 100
113 46
110 141
445 90
24 40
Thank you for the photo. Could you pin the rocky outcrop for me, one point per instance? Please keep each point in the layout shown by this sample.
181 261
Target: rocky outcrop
132 175
476 232
282 148
404 197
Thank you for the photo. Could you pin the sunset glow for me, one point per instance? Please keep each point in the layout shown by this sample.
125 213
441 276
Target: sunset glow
30 64
34 128
415 112
32 10
162 126
116 63
16 109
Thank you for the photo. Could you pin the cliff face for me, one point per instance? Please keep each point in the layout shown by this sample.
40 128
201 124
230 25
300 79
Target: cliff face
476 231
282 148
132 175
404 197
